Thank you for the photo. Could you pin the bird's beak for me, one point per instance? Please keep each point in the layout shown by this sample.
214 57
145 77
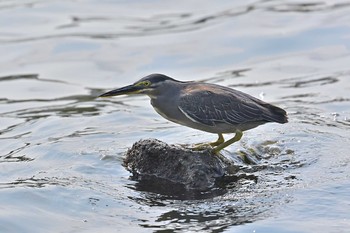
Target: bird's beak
131 89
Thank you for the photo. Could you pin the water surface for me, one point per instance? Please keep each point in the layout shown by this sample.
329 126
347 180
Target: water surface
62 149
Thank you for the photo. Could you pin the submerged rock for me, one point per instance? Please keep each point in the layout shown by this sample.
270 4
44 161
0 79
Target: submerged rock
173 166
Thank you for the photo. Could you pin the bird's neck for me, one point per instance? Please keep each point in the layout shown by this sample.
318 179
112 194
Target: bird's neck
166 92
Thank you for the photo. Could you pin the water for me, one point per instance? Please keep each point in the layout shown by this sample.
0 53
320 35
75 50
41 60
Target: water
62 149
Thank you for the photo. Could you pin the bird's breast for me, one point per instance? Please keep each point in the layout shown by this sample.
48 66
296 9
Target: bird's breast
167 109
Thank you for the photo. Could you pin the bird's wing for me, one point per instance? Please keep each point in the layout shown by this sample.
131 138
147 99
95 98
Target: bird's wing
210 108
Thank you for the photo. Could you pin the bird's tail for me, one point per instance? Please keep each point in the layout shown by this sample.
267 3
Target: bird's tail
276 114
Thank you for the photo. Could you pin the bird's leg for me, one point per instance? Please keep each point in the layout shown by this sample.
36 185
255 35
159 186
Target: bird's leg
203 146
236 138
219 141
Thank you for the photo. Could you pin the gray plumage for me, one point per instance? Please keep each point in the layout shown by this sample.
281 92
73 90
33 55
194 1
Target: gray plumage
212 108
207 107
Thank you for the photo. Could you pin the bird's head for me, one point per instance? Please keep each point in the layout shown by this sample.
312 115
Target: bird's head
149 85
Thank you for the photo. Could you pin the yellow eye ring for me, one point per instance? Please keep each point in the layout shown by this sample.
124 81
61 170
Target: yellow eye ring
144 83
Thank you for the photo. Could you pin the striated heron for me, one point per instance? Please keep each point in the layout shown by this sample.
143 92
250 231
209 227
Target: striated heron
207 107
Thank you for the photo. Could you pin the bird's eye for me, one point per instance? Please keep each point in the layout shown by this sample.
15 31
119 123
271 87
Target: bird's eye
144 83
147 83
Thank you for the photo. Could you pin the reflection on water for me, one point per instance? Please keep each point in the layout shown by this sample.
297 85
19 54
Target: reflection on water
63 147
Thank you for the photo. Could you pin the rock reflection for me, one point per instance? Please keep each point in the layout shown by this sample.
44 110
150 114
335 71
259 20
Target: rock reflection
238 206
206 220
170 190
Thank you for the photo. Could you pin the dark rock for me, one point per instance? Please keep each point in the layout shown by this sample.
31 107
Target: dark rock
173 166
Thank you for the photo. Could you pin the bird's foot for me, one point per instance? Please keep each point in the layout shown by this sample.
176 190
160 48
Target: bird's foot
216 150
201 146
197 147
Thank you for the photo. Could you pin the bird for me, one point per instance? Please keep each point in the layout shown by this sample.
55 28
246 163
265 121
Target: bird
204 106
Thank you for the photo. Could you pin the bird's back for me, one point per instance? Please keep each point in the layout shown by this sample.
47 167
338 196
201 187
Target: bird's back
270 113
212 104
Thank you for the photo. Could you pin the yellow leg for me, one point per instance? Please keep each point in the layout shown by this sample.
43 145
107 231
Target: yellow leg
221 146
219 141
203 146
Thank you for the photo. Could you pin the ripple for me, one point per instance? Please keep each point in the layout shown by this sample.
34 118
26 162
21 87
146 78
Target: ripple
156 24
307 7
58 141
315 82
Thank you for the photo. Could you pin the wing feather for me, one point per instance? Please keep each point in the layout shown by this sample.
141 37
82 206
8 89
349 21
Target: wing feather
210 108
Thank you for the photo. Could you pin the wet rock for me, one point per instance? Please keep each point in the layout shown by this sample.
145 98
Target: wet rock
172 166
